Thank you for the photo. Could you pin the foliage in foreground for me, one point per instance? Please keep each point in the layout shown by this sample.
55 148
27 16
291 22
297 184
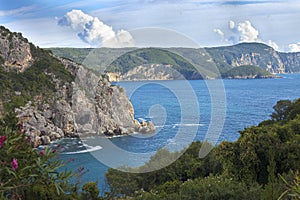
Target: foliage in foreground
26 173
262 164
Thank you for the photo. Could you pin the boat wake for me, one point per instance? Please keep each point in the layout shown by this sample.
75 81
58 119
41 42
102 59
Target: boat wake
87 150
178 125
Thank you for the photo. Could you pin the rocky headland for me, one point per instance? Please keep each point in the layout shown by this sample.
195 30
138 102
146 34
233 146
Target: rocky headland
86 105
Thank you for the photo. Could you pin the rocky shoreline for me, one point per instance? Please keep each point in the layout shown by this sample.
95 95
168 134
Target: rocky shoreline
88 106
254 77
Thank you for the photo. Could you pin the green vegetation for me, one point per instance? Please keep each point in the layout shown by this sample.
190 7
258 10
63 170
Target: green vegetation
262 164
246 71
16 88
187 61
26 173
223 56
96 59
138 57
6 33
75 54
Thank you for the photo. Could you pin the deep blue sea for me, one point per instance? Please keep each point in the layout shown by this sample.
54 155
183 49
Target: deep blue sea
182 111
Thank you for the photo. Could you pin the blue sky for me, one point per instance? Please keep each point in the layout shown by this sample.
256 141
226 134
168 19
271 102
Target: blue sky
116 23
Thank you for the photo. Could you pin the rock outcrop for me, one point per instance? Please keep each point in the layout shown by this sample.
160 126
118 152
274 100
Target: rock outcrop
291 61
14 50
148 72
255 54
88 105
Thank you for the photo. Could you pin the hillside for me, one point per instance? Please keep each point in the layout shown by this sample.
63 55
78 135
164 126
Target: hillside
196 63
262 164
159 61
54 98
247 54
247 72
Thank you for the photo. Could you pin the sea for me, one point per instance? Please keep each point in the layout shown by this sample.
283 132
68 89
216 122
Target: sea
182 112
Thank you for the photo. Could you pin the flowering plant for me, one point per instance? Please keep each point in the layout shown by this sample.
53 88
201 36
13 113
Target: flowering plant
25 171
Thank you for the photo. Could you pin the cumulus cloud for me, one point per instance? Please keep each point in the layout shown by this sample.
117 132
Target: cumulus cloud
242 32
294 47
94 32
247 33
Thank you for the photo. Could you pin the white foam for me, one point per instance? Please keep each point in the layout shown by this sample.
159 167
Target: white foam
89 149
177 125
191 125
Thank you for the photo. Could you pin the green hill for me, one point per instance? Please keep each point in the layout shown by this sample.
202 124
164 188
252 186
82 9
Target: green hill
256 54
247 71
262 164
210 62
146 56
18 86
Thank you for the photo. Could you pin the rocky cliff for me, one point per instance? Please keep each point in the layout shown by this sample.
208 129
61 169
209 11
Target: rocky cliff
255 54
59 98
14 50
147 72
133 64
291 61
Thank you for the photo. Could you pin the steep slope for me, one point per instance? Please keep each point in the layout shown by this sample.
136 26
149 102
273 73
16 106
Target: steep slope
14 50
291 62
153 63
256 54
54 97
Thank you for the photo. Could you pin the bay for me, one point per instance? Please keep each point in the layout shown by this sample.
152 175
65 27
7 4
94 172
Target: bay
182 112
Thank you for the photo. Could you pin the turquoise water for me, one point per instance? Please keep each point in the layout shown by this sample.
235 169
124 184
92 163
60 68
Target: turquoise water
181 112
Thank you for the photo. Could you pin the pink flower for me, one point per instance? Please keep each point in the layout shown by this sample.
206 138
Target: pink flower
2 140
42 152
14 164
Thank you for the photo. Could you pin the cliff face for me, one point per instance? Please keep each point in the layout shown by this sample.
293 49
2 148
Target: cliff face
255 54
291 61
14 50
147 72
86 105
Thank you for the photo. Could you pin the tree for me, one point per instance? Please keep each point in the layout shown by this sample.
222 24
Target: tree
90 191
281 110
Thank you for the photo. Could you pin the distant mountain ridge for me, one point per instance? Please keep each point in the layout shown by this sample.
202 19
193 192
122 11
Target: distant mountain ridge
223 58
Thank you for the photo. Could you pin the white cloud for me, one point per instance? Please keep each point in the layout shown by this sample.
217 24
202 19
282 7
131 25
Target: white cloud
17 11
94 32
294 47
219 32
275 20
241 32
247 33
273 45
231 24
